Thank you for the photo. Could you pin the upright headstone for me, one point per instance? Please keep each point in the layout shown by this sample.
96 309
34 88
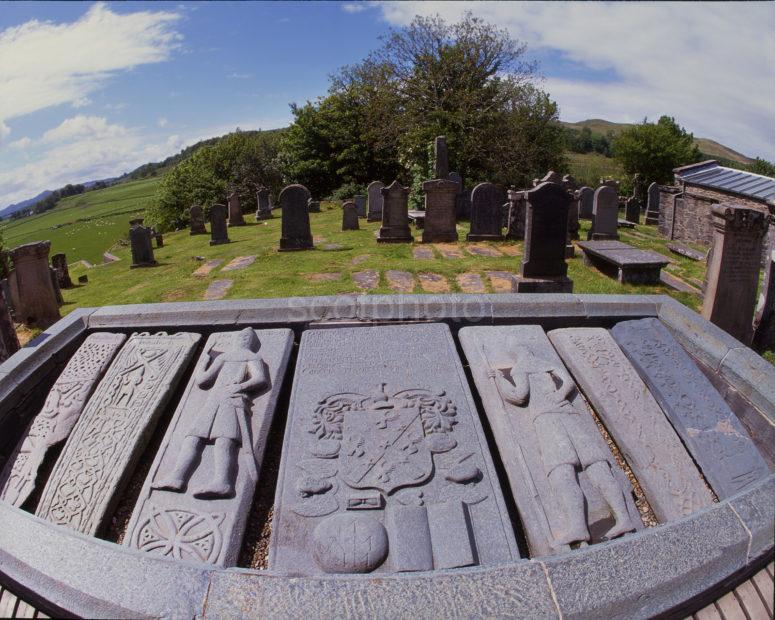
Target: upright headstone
605 215
235 210
196 218
565 482
486 219
59 263
112 432
55 284
140 238
9 341
652 205
610 183
732 276
195 501
296 233
710 430
33 296
632 210
573 215
455 176
385 467
159 238
349 216
544 269
360 205
264 200
440 201
517 214
218 232
764 319
53 424
587 195
395 215
313 206
440 158
374 192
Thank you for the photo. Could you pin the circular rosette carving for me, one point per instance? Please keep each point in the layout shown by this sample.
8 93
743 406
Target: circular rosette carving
182 534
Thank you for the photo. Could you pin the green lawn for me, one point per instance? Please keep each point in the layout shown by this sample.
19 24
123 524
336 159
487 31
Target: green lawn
589 168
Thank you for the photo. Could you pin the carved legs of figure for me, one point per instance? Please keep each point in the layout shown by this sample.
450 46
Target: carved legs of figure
221 484
190 452
601 476
566 490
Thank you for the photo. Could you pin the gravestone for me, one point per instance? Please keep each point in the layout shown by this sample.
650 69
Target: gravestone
764 319
349 216
569 183
610 183
360 205
296 233
455 176
206 470
605 214
388 470
544 269
264 200
9 341
659 461
551 177
732 275
712 433
395 215
629 265
564 479
113 430
59 263
374 192
440 158
440 221
632 210
218 231
587 196
313 206
639 190
652 204
235 210
517 214
33 297
573 216
196 218
486 218
142 247
60 412
158 237
55 283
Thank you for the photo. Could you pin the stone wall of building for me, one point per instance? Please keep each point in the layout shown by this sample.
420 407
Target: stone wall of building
667 196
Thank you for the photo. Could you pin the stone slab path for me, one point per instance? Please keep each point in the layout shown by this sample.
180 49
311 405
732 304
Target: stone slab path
422 253
449 250
510 250
331 246
400 281
218 289
470 283
323 277
366 280
207 267
501 281
483 250
240 262
433 283
359 259
678 284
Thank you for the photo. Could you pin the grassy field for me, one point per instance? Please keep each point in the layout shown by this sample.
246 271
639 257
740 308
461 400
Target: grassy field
589 168
84 226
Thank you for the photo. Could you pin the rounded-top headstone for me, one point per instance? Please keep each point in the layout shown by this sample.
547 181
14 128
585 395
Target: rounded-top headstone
486 219
296 233
349 216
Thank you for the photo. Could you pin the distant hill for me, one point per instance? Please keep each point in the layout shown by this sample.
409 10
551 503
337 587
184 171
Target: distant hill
19 206
708 147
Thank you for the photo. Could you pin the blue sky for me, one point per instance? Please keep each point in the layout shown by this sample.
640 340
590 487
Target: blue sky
93 90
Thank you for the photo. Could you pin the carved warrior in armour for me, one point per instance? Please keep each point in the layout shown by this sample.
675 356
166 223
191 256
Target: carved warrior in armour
541 390
229 379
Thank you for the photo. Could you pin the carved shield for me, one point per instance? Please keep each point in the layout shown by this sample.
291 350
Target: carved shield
384 449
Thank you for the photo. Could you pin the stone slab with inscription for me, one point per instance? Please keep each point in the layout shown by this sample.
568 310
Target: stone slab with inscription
385 466
196 498
111 433
671 481
710 430
564 479
65 402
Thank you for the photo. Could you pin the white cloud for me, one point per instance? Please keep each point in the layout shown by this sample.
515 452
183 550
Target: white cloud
5 130
162 121
707 64
354 7
81 127
21 143
43 64
116 106
81 102
239 76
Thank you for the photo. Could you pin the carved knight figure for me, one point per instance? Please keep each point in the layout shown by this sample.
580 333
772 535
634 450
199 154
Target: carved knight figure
542 390
229 380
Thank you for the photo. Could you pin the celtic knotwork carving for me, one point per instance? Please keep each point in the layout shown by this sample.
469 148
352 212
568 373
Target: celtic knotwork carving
183 534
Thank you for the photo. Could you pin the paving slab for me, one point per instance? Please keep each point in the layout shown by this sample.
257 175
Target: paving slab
207 267
357 260
331 247
501 281
677 284
449 250
390 472
366 280
685 250
323 277
400 281
510 250
240 262
470 283
217 289
482 250
422 253
433 283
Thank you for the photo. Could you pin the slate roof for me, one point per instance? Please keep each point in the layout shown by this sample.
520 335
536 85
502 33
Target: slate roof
711 175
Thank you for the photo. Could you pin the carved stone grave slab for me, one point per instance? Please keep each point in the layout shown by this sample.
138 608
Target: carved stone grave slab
196 218
669 478
219 234
374 192
605 214
710 430
140 238
296 233
486 219
440 200
59 263
565 481
195 501
60 412
111 433
395 215
628 264
350 216
587 198
385 466
235 210
652 204
32 294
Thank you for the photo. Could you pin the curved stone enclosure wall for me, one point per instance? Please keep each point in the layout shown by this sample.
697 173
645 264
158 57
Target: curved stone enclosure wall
652 571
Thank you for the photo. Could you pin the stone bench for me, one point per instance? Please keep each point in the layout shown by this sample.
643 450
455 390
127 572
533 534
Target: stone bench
627 264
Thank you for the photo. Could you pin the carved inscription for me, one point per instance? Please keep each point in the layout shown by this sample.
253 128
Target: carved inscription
195 500
665 470
711 431
100 453
60 412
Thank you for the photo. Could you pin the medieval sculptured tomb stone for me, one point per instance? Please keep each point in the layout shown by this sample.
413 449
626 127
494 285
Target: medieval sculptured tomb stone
196 498
385 466
566 483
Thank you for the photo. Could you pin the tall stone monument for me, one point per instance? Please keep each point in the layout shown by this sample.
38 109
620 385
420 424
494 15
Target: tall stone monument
440 201
9 341
296 233
218 231
374 192
55 284
360 205
605 215
264 200
235 210
395 215
632 210
517 209
544 269
33 296
141 241
587 196
764 319
732 274
486 219
350 216
196 218
440 158
652 204
59 263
